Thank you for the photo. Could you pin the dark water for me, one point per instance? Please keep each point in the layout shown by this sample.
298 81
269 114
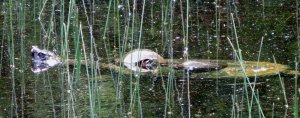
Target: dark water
105 93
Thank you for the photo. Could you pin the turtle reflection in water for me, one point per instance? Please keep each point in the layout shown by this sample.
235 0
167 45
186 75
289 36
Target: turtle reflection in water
145 61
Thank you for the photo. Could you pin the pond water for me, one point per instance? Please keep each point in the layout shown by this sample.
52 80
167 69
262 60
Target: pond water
103 31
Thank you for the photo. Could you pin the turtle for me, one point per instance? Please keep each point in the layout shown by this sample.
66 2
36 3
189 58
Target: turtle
147 61
143 60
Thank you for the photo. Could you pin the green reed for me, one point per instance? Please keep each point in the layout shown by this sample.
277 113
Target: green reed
47 35
21 31
297 60
85 58
283 88
296 93
135 101
255 78
90 70
140 110
133 25
11 51
74 76
122 46
254 95
217 33
247 83
169 85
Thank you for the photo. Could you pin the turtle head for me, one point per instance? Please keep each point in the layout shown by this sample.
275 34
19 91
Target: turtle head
40 55
43 59
147 64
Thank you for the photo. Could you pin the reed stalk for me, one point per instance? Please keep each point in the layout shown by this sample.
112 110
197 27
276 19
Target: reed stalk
132 89
296 93
11 51
21 31
255 78
247 82
169 87
297 60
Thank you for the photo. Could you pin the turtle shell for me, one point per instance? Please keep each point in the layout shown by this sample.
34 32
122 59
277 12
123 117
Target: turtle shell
143 60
